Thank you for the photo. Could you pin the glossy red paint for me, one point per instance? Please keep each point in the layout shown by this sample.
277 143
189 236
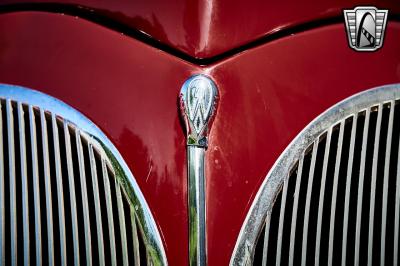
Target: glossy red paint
204 29
127 88
267 95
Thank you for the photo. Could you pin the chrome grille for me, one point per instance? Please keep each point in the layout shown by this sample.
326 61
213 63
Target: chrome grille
64 197
336 199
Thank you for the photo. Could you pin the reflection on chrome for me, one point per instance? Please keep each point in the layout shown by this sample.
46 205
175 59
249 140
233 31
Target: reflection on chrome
290 164
198 100
54 142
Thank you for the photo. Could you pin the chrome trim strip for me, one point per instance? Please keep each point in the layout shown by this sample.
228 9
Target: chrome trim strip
13 196
47 182
321 195
308 202
397 212
60 191
386 181
265 196
266 240
95 186
122 228
136 252
2 206
281 222
151 235
334 193
110 219
197 212
72 194
373 184
198 99
24 182
361 187
348 184
294 211
36 186
85 205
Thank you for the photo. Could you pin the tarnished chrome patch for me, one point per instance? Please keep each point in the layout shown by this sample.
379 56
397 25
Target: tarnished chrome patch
198 101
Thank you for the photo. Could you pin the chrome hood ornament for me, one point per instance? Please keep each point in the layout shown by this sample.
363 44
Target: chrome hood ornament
198 100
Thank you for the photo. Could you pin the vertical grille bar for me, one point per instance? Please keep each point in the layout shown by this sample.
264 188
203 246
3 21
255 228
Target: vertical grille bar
24 182
41 214
46 170
334 193
96 193
281 221
60 192
321 196
373 184
294 212
266 239
349 206
13 192
36 189
110 219
136 253
72 196
386 181
148 259
397 211
121 217
348 184
361 188
2 198
308 201
85 206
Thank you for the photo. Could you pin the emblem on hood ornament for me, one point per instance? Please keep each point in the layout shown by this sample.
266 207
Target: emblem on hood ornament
198 102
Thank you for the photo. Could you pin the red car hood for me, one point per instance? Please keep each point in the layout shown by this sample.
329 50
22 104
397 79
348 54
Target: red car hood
204 29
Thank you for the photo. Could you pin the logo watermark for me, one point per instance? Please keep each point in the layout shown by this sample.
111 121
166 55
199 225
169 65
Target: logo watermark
365 27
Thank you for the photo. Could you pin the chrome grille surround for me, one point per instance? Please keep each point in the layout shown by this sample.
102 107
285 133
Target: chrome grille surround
102 158
292 158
